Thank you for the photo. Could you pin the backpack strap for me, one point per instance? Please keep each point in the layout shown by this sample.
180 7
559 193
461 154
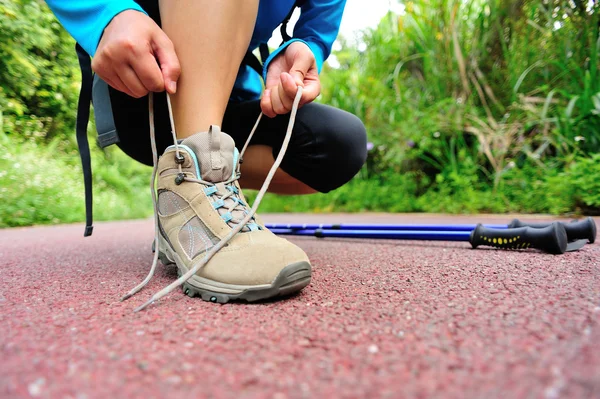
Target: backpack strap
83 117
284 34
252 61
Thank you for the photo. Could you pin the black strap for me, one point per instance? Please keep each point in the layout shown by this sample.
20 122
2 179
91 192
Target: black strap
252 61
284 34
83 117
263 49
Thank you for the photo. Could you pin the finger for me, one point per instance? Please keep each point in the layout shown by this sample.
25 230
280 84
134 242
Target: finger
116 83
278 99
117 86
111 78
131 80
119 82
107 74
290 89
169 63
300 68
265 104
148 72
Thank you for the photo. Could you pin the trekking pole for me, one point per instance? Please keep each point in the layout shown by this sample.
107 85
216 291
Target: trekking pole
551 239
395 227
581 230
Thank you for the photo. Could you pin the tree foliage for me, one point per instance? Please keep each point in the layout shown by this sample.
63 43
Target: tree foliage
38 72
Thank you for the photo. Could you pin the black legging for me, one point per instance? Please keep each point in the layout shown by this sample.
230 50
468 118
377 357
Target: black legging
328 145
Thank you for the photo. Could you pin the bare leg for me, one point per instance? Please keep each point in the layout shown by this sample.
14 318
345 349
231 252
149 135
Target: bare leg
210 38
258 160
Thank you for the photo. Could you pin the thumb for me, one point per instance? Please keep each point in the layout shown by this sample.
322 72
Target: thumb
299 69
167 58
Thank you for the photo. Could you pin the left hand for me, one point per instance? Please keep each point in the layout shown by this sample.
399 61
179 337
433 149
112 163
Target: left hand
295 67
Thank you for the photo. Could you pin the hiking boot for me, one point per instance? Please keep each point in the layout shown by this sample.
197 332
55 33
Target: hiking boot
199 203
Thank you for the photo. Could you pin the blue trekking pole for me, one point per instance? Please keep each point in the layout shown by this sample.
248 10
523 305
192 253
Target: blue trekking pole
581 230
551 237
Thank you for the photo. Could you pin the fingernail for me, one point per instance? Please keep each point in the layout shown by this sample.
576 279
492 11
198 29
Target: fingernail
173 87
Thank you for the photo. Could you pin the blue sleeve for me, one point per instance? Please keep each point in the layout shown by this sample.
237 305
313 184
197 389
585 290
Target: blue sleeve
85 20
317 27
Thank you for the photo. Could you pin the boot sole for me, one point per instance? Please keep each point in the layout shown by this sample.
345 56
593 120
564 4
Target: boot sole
291 279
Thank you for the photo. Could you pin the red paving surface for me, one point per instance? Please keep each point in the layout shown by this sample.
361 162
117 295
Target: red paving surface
381 319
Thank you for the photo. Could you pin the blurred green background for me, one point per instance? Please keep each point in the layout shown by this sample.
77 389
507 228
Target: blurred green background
471 106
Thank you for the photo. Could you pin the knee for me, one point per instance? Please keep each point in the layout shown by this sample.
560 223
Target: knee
342 141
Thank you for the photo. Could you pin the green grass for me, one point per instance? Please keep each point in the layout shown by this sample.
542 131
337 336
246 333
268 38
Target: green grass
44 184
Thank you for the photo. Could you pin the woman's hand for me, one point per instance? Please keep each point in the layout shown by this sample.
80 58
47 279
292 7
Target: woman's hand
127 56
295 67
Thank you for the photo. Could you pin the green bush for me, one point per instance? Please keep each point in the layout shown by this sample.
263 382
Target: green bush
584 178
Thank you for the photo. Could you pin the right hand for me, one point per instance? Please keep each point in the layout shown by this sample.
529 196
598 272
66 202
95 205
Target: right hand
128 52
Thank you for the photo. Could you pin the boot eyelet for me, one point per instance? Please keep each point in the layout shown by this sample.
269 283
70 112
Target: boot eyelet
179 159
180 178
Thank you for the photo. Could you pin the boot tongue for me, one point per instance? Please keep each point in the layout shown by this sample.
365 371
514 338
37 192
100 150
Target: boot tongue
215 152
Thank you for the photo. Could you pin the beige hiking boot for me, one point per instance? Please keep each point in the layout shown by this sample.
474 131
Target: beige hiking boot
198 205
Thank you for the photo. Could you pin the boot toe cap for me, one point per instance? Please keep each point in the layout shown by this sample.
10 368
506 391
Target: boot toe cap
258 260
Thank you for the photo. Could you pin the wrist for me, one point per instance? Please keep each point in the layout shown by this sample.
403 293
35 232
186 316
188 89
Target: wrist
317 51
279 51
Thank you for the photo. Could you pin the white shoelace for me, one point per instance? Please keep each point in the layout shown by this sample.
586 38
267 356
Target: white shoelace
236 229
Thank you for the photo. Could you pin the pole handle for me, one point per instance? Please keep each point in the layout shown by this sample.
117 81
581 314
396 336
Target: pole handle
581 230
551 239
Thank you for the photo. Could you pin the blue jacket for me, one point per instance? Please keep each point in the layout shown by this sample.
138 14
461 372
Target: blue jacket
318 27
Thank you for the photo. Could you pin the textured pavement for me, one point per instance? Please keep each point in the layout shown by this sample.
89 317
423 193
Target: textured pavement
385 319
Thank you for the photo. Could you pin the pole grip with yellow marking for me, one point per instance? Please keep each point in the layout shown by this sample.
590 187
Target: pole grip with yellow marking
551 239
581 230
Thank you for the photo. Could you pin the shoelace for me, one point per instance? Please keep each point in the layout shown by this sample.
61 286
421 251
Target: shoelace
236 203
236 229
